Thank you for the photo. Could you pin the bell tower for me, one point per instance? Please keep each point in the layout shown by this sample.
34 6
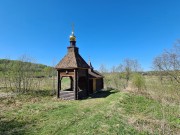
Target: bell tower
72 38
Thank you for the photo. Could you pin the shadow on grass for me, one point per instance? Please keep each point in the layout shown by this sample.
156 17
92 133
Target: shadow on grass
103 93
12 127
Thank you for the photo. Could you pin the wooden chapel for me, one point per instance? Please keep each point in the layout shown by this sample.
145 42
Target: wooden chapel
83 79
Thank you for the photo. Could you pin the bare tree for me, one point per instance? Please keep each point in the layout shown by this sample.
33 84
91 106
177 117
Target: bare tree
18 76
130 66
119 68
22 74
118 76
113 69
121 74
168 63
5 68
53 77
103 69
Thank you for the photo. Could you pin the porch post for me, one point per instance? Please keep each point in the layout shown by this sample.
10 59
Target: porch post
58 85
75 84
87 80
72 83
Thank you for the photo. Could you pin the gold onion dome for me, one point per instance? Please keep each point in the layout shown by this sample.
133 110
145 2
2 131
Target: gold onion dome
72 37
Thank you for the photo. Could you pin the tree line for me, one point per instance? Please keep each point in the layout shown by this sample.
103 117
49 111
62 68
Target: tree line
23 75
119 76
166 66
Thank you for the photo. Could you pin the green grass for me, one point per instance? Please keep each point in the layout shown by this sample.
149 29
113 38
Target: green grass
148 112
108 112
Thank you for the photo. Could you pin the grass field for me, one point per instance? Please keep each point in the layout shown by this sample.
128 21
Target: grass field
106 112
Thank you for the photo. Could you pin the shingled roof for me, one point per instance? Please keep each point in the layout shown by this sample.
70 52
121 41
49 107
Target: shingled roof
72 60
95 74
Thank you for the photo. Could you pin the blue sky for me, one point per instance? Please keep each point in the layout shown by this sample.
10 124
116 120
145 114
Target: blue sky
107 30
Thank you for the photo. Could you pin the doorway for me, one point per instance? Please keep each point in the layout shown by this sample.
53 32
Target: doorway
67 84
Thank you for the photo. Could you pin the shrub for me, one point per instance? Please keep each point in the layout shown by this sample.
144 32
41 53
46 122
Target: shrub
138 81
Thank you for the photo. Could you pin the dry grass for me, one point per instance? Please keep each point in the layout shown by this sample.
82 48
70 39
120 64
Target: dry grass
167 106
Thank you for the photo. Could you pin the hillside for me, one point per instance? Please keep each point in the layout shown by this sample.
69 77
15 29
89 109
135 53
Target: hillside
40 69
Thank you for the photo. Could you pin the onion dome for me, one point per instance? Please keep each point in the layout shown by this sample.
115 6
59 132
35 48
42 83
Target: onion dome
72 37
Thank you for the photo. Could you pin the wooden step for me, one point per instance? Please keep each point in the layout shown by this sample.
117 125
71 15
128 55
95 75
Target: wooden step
67 95
66 92
69 98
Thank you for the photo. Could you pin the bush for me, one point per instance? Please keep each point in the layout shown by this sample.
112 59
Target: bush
138 81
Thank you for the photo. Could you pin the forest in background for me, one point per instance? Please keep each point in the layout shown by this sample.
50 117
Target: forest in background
22 76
